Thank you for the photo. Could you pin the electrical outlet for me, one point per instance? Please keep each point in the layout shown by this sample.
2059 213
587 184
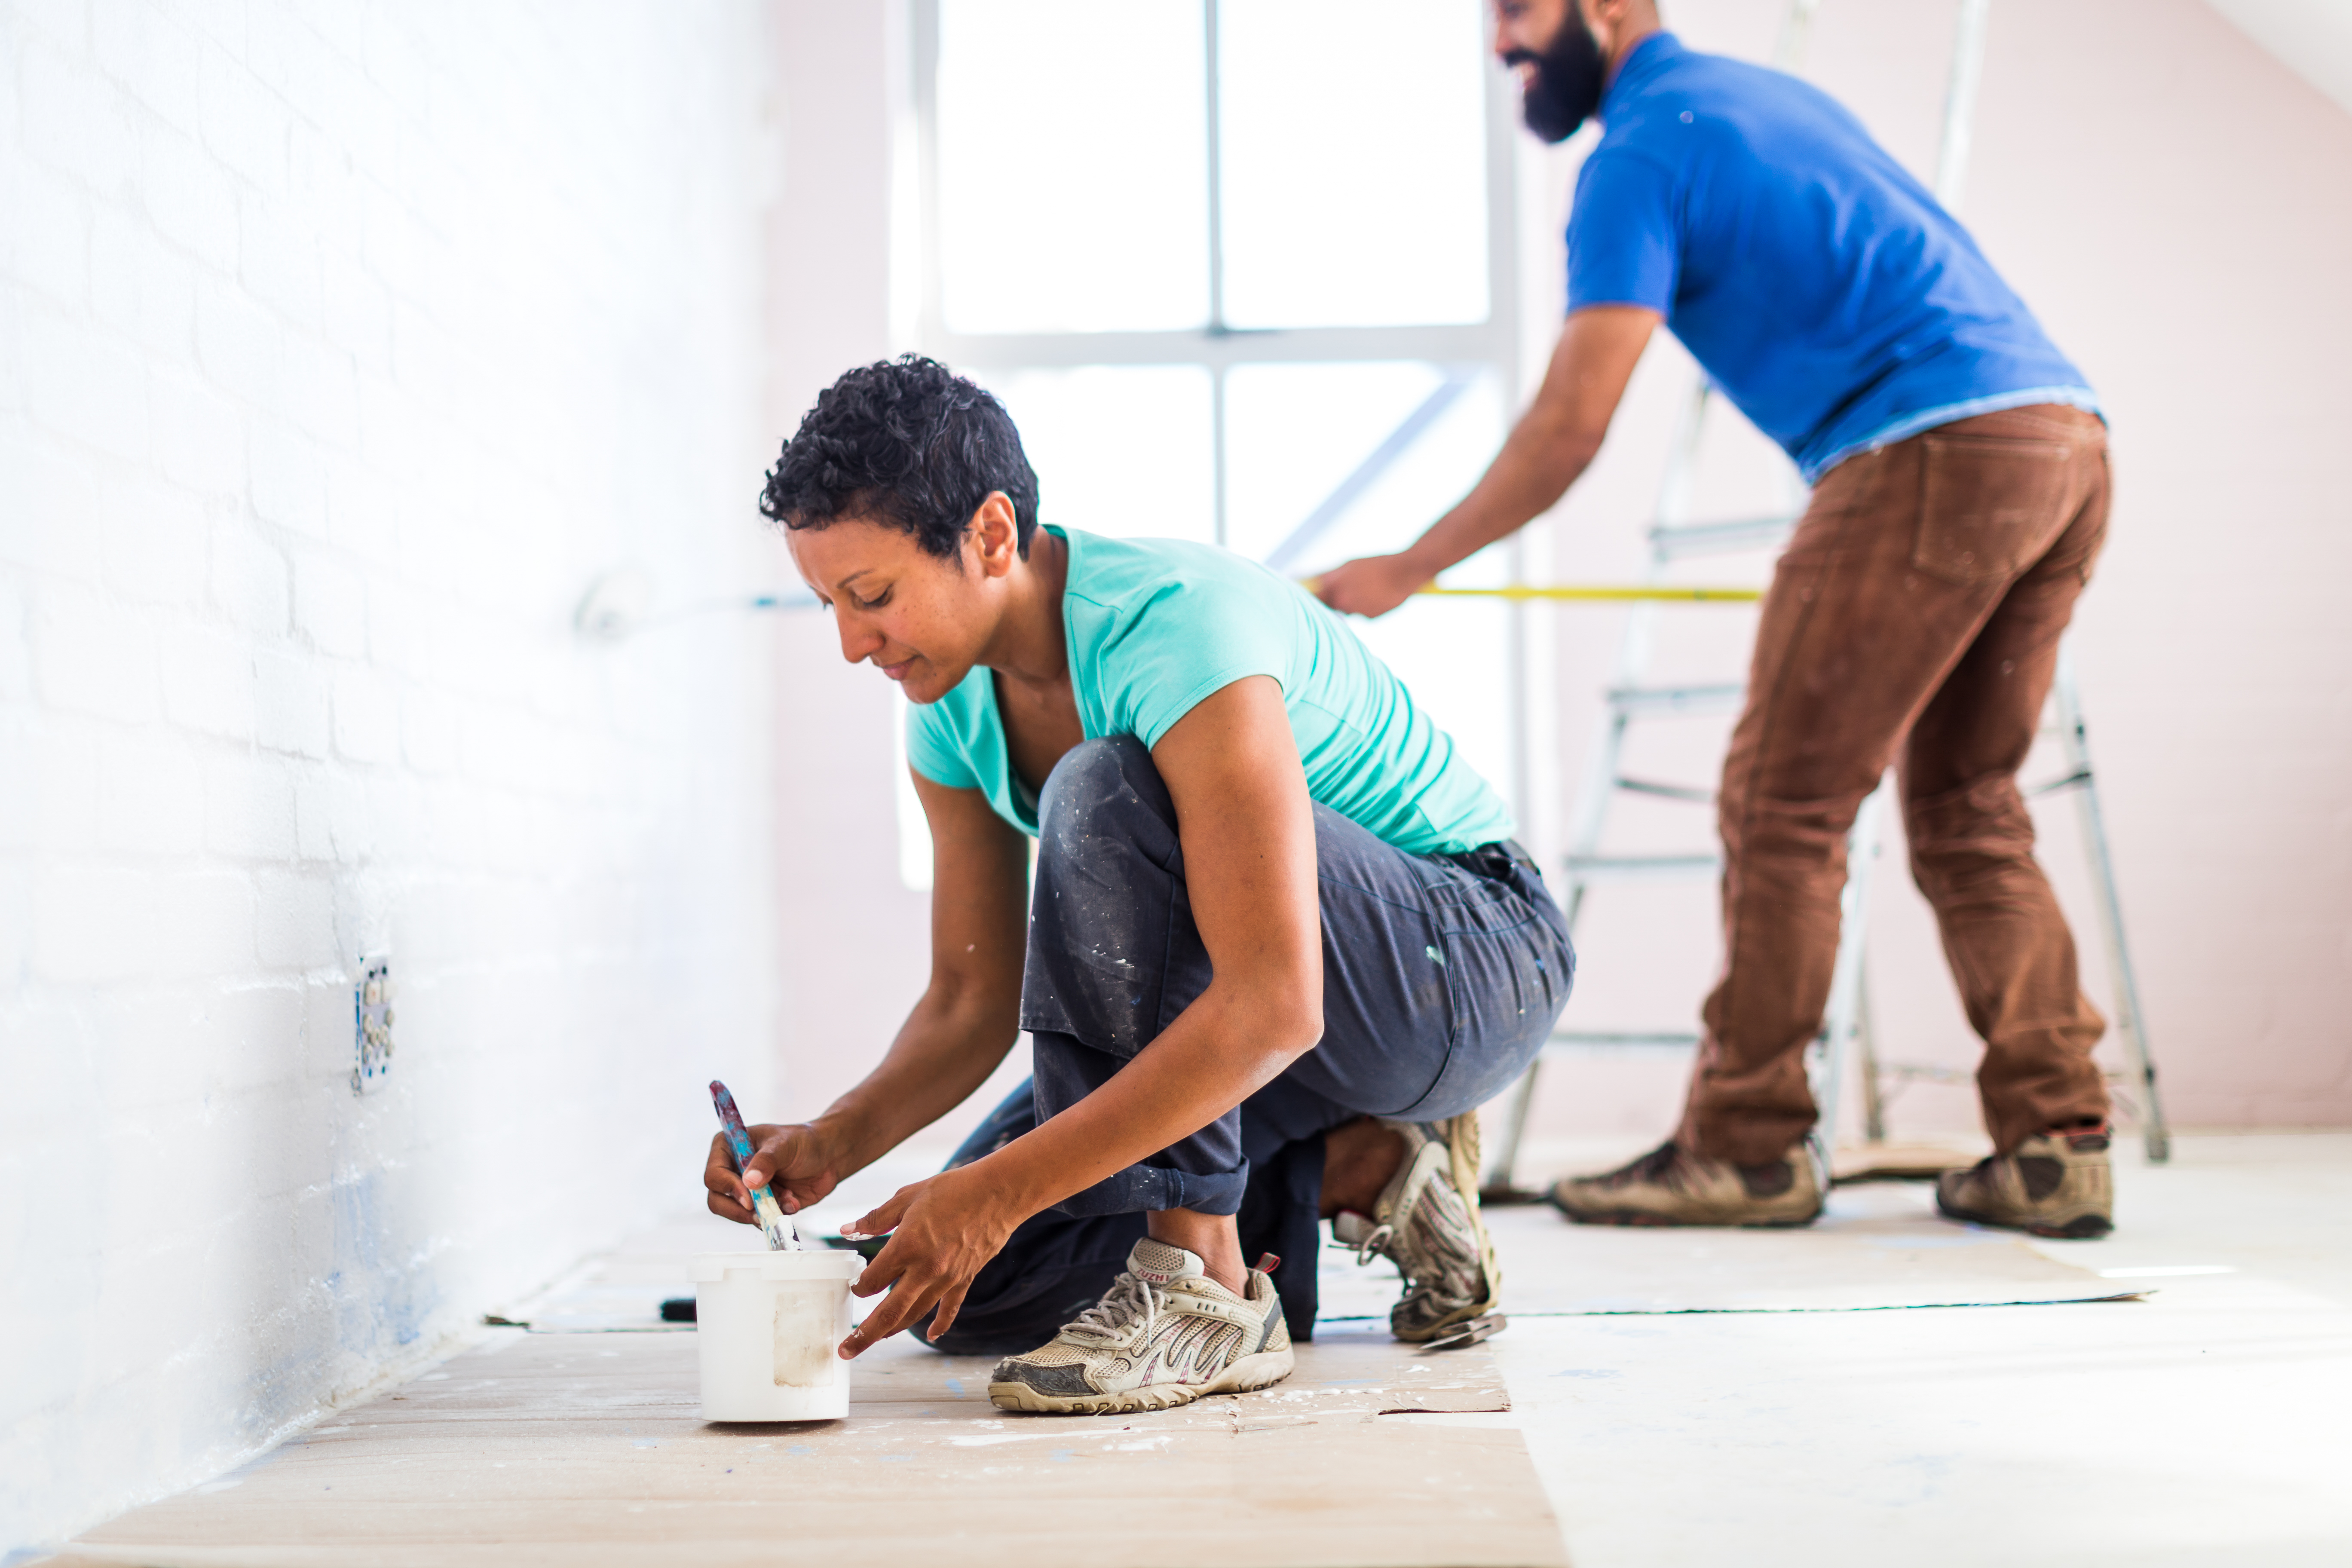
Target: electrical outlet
371 1024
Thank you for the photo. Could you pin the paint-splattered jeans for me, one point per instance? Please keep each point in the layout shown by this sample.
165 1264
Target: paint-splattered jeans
1442 977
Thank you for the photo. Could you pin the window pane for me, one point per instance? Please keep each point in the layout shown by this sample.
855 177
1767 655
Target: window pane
1294 432
1453 656
1072 166
1122 449
1355 162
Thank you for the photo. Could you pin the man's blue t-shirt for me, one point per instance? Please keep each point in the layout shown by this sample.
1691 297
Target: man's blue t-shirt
1154 625
1829 295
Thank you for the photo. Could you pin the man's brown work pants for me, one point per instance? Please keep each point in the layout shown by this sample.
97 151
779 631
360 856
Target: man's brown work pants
1915 619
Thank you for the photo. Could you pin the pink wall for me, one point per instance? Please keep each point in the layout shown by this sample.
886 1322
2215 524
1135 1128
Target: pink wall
856 942
2175 205
2137 165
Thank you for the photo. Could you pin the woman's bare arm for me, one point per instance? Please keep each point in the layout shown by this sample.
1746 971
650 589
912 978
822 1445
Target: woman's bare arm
1247 828
966 1020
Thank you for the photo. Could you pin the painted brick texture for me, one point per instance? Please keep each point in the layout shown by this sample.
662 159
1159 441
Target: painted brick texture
342 346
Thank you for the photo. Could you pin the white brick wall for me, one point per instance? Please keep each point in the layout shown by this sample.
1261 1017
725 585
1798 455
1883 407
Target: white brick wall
341 346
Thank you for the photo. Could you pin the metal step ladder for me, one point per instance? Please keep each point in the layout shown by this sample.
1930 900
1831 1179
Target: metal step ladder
1631 697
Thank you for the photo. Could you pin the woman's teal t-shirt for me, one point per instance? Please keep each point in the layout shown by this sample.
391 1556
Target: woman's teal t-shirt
1154 625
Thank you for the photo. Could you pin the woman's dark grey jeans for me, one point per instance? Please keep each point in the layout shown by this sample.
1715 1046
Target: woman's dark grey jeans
1442 977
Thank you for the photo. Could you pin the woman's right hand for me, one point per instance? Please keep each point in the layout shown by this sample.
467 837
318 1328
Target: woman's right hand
797 1161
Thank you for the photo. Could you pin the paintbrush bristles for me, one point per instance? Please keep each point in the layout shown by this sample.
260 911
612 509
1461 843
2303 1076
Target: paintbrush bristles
783 1235
771 1222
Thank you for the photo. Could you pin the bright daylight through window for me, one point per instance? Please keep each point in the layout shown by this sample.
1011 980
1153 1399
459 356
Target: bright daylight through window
1242 271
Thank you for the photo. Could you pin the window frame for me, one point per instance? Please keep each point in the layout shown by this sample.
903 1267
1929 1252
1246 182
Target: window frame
1461 351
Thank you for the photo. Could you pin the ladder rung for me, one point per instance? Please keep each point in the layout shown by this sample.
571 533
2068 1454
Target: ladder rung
1565 1040
2075 780
1668 792
1951 1075
1593 866
1919 1072
1675 699
1704 538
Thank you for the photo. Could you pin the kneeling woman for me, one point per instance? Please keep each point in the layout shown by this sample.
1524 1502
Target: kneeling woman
1279 950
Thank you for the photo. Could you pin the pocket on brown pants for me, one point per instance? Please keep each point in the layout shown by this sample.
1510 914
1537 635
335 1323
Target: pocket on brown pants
1989 505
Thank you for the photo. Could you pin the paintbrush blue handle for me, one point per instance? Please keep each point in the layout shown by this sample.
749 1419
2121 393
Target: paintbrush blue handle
773 1223
739 1143
739 1138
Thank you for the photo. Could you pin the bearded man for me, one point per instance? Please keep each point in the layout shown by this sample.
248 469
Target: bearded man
1961 488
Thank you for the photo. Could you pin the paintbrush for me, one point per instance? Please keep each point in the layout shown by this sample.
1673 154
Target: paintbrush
779 1232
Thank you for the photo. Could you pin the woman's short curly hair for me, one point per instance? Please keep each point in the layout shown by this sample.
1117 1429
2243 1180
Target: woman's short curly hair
908 443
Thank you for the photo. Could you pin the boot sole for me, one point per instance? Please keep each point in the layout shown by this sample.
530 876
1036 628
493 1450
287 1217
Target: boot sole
2082 1227
1251 1372
1642 1219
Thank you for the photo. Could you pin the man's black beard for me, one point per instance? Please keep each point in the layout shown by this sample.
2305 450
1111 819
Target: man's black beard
1569 76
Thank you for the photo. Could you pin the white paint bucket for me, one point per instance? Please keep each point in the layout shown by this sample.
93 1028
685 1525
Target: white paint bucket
768 1325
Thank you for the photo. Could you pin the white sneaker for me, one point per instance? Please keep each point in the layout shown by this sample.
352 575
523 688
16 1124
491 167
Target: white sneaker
1165 1334
1427 1222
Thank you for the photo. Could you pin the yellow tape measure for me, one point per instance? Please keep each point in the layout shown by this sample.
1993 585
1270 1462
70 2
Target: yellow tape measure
1601 591
1587 591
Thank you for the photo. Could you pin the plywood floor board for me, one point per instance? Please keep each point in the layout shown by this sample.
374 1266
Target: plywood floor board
590 1449
2203 1425
1284 1497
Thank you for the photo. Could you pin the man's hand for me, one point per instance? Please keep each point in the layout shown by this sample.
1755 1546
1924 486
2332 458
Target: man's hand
797 1161
942 1231
1372 586
1546 449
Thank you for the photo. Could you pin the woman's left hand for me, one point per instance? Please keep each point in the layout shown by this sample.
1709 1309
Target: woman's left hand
943 1230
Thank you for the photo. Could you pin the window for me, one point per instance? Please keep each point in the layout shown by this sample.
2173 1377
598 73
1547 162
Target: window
1243 270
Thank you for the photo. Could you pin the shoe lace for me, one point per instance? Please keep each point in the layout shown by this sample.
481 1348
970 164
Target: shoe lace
1375 1244
1110 1319
1425 1269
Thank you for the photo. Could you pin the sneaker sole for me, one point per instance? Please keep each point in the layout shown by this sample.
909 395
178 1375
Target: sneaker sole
1462 1134
2082 1227
1251 1372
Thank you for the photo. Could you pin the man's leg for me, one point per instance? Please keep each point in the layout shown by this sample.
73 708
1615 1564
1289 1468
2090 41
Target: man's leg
2045 1102
1898 569
1971 844
1899 563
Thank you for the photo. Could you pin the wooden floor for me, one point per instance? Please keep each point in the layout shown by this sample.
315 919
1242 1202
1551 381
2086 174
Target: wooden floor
588 1450
1676 1400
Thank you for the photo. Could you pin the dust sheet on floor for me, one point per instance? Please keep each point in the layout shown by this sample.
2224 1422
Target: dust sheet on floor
589 1447
1878 1246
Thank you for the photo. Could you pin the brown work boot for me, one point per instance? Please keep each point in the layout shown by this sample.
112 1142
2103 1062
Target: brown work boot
2053 1183
1671 1185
